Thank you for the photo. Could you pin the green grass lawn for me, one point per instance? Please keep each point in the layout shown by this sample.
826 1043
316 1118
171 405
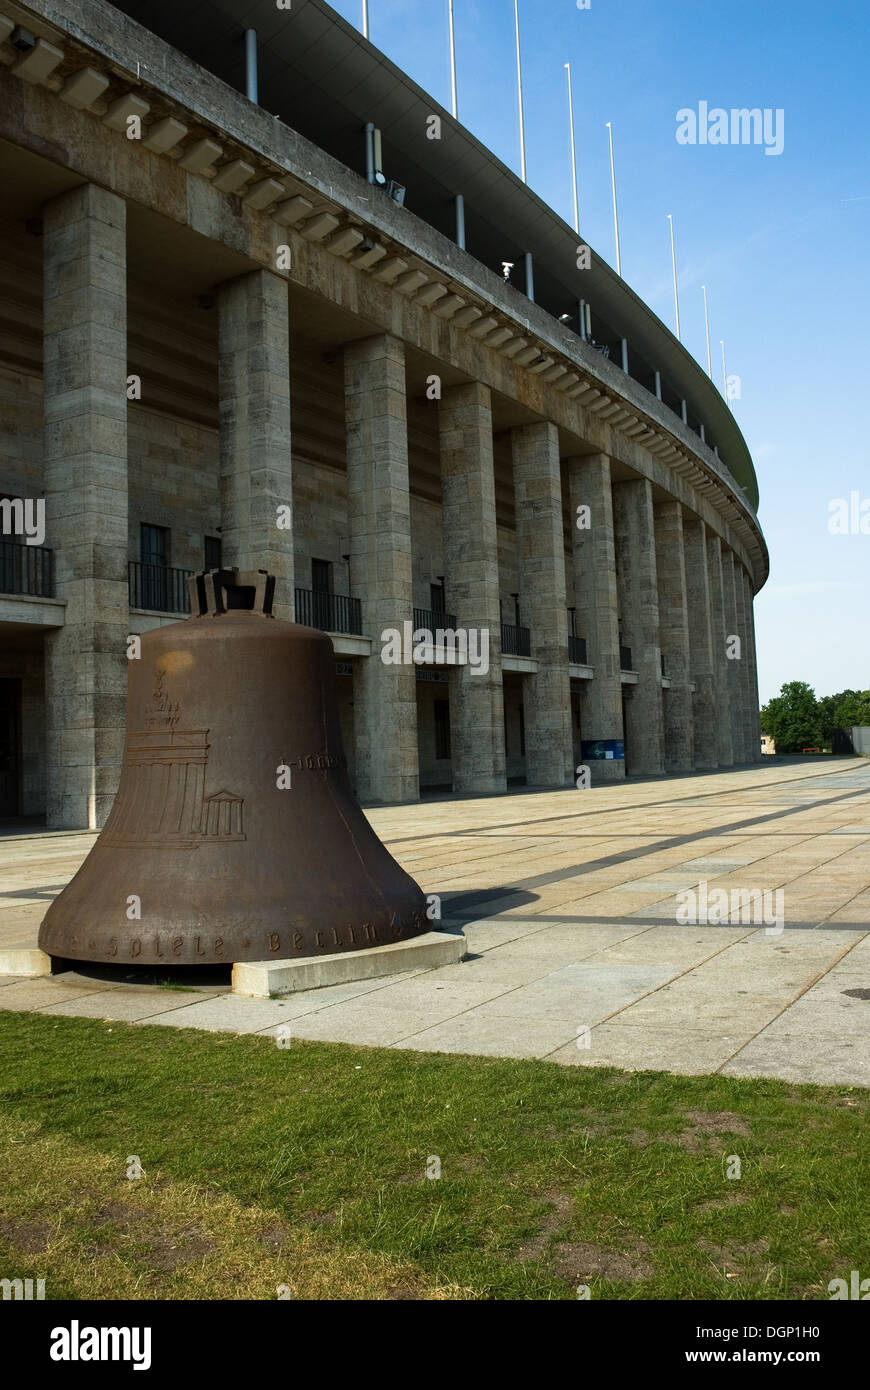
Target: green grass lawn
306 1167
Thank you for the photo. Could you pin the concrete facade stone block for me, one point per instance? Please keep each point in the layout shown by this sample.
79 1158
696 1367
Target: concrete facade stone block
85 410
596 600
541 548
470 550
637 584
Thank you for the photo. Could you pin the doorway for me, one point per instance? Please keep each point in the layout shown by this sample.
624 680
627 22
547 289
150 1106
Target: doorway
10 741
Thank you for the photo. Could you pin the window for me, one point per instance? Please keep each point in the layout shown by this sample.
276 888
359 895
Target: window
153 555
212 553
442 729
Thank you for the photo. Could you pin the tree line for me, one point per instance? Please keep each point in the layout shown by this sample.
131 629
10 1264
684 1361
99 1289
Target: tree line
796 718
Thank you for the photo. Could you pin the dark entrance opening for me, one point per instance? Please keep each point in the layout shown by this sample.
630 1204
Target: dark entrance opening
10 747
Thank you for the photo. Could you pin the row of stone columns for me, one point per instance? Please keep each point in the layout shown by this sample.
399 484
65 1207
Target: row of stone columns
642 561
679 596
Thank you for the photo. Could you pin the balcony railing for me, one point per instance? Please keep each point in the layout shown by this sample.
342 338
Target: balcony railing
577 650
625 659
515 641
26 569
432 619
158 588
328 612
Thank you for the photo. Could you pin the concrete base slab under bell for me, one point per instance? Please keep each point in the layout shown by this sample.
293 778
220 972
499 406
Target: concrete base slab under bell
262 979
24 958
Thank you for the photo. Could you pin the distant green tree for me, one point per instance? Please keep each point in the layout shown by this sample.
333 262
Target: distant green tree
792 719
849 709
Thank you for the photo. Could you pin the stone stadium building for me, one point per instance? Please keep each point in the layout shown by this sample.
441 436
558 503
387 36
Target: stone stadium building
253 312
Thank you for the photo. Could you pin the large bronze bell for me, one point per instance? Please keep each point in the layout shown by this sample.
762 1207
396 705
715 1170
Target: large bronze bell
205 858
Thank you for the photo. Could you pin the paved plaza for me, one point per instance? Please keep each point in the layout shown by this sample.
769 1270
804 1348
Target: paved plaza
569 903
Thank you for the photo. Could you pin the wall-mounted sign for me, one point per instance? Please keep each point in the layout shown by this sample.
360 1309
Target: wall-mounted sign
438 677
344 668
598 749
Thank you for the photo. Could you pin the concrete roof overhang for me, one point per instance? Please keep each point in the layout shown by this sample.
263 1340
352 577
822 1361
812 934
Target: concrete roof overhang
322 78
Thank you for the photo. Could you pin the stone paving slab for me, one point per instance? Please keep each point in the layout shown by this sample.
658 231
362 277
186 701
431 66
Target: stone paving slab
122 1004
568 901
653 1049
46 990
539 1036
827 1061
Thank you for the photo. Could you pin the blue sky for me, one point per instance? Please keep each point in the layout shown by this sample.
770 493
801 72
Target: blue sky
782 242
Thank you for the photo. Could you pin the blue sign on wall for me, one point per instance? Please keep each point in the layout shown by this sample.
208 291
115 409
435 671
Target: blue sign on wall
601 748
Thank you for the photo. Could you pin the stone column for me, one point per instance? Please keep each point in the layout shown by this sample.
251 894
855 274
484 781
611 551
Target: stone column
471 565
734 628
541 546
639 613
256 466
674 637
753 673
721 664
702 667
594 558
85 416
749 688
379 524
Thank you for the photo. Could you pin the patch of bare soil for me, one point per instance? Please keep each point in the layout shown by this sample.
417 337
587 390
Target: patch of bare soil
120 1212
563 1205
31 1237
703 1124
583 1261
718 1122
733 1199
170 1248
748 1259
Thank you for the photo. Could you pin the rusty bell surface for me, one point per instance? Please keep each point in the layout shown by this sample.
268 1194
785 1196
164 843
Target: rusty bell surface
204 859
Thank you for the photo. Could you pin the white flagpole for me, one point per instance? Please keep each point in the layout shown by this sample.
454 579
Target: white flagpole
453 91
520 92
615 213
365 5
674 263
573 152
707 325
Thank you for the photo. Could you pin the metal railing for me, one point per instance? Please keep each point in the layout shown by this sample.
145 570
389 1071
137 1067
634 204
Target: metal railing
577 650
26 569
515 641
158 588
328 612
431 619
625 659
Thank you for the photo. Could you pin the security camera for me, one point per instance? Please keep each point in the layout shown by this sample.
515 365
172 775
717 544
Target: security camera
506 268
22 39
